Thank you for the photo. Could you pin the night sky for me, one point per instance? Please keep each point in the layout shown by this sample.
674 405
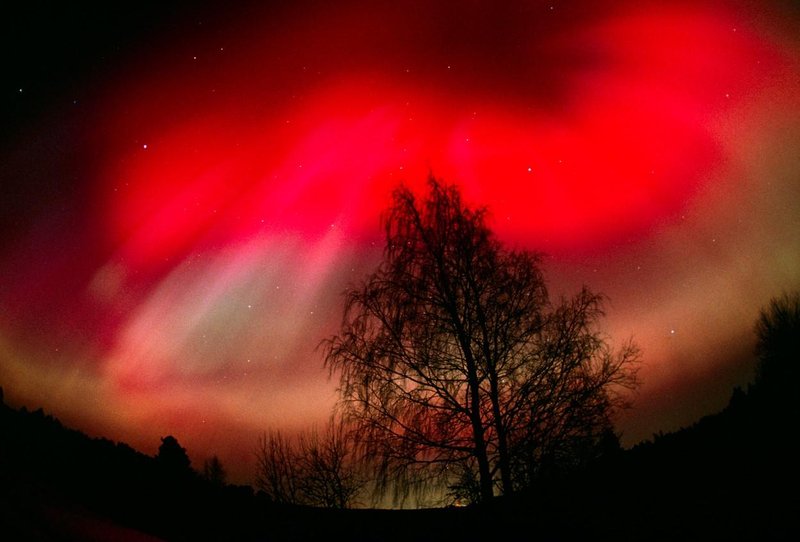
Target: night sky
187 190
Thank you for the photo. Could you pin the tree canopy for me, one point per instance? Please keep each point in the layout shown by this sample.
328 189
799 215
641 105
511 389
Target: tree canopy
455 367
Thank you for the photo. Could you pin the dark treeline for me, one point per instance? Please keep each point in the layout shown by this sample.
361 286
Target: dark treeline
53 478
58 484
732 475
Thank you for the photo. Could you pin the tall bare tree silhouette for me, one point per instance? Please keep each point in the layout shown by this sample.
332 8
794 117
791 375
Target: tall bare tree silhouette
454 366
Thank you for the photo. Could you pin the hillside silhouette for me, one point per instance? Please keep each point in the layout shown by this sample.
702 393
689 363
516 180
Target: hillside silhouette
732 475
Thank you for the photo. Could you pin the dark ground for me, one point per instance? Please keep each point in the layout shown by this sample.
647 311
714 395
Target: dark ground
731 476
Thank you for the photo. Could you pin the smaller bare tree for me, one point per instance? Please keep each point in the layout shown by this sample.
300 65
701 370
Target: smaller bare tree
277 468
329 476
313 468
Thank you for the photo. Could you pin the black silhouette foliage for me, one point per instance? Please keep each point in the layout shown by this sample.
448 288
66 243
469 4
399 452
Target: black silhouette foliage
172 456
778 350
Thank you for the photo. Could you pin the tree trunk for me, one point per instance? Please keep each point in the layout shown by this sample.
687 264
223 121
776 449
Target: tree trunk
502 441
484 472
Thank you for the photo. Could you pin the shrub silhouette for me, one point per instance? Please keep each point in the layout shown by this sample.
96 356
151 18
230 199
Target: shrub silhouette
777 380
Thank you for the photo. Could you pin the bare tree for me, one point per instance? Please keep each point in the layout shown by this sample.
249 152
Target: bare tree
313 468
455 368
277 469
329 475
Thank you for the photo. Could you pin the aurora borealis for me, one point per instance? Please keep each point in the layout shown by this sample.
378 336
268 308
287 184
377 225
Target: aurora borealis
180 223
